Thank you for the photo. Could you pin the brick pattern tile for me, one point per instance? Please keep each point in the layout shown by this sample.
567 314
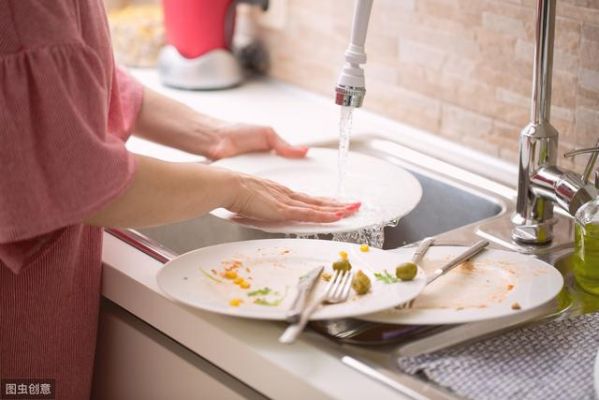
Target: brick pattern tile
458 68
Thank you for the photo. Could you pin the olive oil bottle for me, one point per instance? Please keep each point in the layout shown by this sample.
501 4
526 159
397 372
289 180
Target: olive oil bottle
586 257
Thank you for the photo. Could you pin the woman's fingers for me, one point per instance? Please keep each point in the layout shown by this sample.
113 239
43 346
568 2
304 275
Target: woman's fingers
297 210
303 199
310 215
282 148
322 201
266 200
346 210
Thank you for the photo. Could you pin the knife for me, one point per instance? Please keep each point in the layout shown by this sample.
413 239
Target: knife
304 286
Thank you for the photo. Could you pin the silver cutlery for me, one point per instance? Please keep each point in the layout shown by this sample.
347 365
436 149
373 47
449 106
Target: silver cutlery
337 291
304 287
463 257
422 249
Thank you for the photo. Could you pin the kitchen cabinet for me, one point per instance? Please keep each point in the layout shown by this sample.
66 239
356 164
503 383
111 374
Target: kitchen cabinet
136 361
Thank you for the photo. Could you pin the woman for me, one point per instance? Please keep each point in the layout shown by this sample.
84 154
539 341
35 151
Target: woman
65 112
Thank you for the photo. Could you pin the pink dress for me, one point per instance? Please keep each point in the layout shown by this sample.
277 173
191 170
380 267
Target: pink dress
65 112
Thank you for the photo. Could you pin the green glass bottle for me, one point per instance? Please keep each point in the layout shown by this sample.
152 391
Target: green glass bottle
586 256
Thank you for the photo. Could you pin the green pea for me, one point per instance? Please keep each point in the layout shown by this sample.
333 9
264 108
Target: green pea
406 271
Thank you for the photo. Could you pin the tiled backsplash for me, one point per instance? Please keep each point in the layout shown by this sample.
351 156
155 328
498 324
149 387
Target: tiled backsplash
458 68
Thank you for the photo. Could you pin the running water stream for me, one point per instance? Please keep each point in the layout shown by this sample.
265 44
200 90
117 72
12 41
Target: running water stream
373 235
345 127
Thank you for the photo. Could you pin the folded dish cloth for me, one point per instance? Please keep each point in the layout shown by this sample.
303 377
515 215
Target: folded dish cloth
548 361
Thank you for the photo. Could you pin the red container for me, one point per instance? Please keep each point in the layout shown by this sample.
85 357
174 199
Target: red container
194 27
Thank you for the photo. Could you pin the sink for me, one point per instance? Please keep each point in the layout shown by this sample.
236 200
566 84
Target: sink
447 204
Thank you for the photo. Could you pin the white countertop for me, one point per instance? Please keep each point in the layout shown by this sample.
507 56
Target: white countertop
305 118
249 350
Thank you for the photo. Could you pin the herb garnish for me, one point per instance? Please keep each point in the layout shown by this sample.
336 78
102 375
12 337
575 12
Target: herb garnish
262 292
386 277
263 302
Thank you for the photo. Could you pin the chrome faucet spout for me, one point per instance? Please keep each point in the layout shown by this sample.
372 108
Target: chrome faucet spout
543 62
538 140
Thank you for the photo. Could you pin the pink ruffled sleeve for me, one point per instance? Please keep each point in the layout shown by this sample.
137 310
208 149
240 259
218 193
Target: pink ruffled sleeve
63 124
125 103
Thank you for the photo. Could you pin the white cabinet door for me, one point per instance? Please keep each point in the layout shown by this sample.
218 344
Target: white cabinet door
135 361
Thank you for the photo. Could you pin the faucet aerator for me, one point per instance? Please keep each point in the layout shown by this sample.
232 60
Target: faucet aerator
349 96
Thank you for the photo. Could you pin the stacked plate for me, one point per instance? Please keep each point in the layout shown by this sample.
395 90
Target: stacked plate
258 279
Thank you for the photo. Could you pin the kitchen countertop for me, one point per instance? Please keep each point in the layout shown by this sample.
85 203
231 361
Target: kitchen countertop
302 117
247 349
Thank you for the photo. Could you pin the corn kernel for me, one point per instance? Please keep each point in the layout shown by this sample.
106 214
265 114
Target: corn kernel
238 280
244 285
343 255
364 248
236 302
230 274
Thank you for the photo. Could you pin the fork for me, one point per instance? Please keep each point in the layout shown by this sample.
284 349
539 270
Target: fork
337 291
463 257
422 249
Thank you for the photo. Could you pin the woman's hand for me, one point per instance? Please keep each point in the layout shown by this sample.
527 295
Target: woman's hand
234 139
191 189
168 122
262 199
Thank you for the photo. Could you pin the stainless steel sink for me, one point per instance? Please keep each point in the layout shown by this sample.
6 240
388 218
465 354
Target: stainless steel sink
447 204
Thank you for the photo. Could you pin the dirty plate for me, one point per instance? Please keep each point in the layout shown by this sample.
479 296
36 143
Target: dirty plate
386 191
272 268
495 284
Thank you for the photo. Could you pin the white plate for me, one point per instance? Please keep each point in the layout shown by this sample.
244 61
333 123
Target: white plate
278 264
489 287
386 191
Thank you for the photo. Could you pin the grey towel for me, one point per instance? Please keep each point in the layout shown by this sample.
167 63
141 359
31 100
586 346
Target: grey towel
549 361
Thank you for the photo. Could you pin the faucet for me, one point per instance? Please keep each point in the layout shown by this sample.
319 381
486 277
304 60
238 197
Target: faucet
541 183
351 88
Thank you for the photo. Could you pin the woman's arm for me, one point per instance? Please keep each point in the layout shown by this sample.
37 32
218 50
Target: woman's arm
163 192
166 121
